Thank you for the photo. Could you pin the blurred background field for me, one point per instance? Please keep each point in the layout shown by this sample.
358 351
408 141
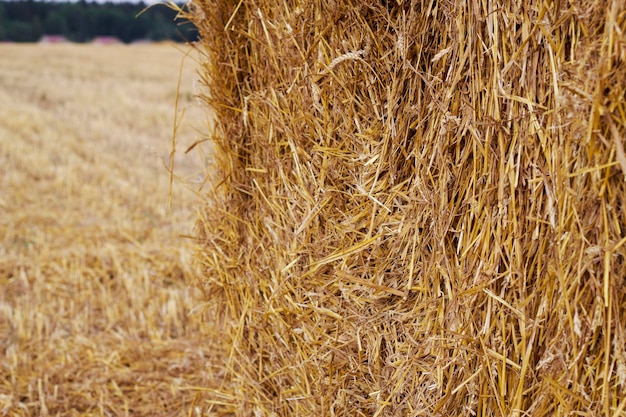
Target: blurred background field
96 306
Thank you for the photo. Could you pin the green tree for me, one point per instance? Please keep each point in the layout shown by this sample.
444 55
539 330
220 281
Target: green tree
54 23
20 31
3 23
27 20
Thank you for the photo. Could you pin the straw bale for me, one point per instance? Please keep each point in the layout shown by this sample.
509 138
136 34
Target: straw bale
419 206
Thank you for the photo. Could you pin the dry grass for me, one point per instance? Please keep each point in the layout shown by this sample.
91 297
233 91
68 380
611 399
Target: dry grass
95 308
422 208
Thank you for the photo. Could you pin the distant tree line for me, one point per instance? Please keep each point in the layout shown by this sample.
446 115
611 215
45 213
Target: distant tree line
29 20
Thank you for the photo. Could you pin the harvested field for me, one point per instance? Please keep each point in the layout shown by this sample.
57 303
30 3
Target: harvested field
96 311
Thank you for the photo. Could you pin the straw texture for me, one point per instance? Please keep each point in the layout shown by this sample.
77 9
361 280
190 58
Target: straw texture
419 206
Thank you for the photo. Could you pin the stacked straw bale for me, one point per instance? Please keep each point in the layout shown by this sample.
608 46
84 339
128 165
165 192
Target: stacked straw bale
420 206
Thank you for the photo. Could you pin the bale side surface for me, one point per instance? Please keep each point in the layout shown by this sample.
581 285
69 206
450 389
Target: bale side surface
420 206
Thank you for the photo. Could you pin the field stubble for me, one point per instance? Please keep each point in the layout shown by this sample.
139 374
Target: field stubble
96 310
